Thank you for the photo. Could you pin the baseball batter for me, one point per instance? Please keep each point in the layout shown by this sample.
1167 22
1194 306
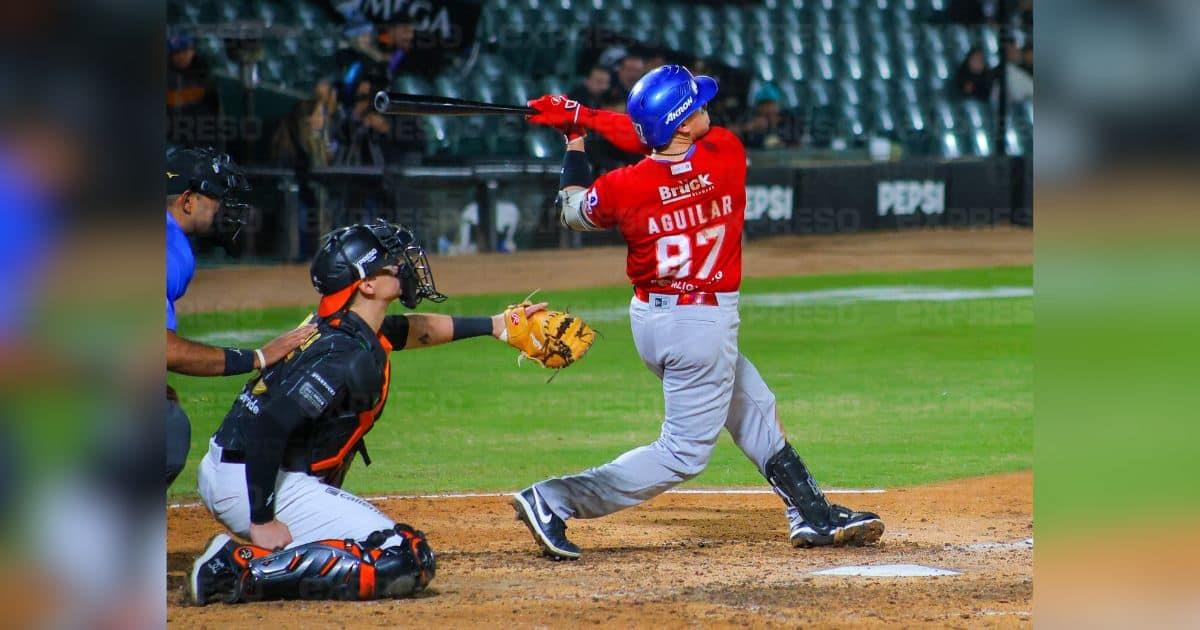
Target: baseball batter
681 211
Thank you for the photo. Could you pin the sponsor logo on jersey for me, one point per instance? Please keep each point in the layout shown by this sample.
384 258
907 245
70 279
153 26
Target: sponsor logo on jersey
311 400
249 402
679 168
697 185
678 111
324 383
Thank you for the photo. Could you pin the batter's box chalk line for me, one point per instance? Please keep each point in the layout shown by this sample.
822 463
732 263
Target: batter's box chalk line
474 495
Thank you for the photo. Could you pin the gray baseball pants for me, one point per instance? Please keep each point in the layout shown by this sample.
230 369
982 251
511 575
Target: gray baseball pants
707 385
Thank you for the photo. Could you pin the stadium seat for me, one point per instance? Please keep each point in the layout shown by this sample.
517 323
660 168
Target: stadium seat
309 16
554 85
703 45
824 68
439 136
882 66
793 68
908 91
949 146
944 117
673 38
852 67
790 95
411 84
675 17
764 43
471 137
878 93
981 142
448 86
883 123
542 143
819 94
763 67
848 92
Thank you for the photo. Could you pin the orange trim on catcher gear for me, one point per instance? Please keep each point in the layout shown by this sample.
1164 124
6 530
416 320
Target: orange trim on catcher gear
366 581
251 550
334 302
366 419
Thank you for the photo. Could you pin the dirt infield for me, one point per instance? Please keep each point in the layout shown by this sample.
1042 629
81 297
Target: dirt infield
247 287
683 560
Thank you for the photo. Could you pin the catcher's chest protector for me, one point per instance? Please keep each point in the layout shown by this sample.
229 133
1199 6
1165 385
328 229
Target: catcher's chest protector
337 438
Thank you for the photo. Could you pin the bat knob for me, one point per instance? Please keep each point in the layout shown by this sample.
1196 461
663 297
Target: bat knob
382 102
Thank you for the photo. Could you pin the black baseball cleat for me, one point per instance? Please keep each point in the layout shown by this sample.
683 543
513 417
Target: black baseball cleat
214 574
547 528
847 528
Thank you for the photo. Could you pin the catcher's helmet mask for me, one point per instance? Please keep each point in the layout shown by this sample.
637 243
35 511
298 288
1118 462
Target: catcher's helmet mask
351 254
213 174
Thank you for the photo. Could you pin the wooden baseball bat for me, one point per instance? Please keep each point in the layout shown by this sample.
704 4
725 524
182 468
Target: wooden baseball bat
400 104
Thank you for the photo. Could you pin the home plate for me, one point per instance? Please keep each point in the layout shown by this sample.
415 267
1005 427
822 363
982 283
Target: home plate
888 570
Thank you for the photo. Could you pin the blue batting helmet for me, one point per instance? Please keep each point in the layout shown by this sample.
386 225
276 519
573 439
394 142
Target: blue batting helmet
663 99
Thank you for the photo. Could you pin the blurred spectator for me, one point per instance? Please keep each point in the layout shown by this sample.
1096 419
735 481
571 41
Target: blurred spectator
1019 80
299 142
397 39
360 37
591 91
193 108
630 68
602 155
974 79
325 92
364 132
768 126
1027 57
1024 14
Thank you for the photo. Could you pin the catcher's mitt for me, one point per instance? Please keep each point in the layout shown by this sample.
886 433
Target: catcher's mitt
552 338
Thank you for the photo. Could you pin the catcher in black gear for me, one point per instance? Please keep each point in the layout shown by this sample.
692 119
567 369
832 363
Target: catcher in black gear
274 468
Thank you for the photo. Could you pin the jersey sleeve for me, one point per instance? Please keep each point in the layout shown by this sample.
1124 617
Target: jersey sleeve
617 129
601 203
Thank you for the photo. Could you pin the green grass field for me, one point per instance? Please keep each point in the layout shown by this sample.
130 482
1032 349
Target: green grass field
878 385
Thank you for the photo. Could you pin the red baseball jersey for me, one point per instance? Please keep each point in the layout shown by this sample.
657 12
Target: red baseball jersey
682 220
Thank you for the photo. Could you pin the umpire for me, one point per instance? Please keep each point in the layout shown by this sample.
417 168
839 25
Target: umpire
274 468
203 199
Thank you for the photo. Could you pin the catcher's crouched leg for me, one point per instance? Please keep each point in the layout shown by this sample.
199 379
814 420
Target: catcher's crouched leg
326 569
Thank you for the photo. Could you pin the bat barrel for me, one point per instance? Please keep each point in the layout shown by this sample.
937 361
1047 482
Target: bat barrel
396 103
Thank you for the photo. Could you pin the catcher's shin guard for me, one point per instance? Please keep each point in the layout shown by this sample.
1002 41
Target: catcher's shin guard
792 482
338 569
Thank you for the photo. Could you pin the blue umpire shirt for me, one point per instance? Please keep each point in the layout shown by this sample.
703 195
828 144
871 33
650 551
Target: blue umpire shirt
181 266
